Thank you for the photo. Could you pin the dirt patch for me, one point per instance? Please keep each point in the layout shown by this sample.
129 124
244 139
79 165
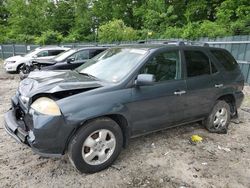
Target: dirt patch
163 159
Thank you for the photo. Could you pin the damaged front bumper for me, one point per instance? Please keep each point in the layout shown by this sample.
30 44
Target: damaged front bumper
45 135
13 129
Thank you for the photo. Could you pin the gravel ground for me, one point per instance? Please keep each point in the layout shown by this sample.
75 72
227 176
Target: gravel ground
162 159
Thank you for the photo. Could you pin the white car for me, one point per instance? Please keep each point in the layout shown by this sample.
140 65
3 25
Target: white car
13 64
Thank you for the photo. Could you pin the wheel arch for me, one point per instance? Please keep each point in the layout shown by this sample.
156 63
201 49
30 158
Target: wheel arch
118 118
19 66
230 99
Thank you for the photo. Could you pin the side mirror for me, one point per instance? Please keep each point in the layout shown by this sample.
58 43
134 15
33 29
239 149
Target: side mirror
145 80
69 60
34 56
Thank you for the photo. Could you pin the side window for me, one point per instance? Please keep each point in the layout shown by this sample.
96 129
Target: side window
225 58
197 63
43 53
55 52
81 55
213 68
165 66
93 53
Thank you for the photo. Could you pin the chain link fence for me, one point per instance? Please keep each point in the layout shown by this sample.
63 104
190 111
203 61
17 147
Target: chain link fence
239 46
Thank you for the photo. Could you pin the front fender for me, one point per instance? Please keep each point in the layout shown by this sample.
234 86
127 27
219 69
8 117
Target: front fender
79 108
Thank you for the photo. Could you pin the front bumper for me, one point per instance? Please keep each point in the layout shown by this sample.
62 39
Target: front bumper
13 129
9 67
45 135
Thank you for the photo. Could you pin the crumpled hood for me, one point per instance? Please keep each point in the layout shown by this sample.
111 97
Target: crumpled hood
55 81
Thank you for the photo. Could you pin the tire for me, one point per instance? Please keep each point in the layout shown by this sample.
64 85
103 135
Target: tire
89 152
218 120
19 67
25 69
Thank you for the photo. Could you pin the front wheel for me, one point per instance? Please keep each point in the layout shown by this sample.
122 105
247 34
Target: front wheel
218 120
19 68
96 145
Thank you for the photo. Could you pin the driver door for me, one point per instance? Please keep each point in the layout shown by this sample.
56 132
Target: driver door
163 104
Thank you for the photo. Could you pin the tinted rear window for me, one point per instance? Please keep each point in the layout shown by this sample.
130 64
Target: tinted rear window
225 58
197 63
55 52
95 52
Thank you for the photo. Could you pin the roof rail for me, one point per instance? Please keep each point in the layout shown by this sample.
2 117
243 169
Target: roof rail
174 42
198 43
177 42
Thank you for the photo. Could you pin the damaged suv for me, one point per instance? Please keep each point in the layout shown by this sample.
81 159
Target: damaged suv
90 113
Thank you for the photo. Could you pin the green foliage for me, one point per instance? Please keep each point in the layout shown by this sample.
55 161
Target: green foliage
212 30
172 32
48 21
191 30
235 16
116 30
26 17
61 17
49 37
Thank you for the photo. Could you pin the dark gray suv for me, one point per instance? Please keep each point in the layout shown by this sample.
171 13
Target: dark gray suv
90 113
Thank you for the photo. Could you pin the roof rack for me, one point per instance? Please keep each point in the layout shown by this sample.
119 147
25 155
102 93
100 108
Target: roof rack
197 43
174 42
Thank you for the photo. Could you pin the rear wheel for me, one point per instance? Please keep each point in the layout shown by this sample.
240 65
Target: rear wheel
218 120
96 145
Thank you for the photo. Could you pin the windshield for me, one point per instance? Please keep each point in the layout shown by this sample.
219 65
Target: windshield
113 64
31 53
64 55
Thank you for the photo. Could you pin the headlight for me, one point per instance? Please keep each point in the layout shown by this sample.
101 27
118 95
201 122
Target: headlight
10 62
46 106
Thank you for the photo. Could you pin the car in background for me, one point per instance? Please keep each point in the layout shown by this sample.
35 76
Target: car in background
14 64
70 59
91 112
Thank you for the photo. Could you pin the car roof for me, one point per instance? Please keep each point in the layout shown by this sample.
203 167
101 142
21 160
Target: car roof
52 48
144 46
92 48
158 46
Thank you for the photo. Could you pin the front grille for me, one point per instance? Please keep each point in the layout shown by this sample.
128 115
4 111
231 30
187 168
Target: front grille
28 119
19 114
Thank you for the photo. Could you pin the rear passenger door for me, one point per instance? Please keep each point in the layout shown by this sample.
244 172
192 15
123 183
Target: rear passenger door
202 79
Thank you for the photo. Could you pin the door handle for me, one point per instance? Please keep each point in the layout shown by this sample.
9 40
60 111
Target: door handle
218 85
179 92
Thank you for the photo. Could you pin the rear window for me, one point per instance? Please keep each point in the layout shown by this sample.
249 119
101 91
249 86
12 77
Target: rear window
197 63
55 52
225 58
95 52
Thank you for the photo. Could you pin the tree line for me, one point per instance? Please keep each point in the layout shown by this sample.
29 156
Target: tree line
55 21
